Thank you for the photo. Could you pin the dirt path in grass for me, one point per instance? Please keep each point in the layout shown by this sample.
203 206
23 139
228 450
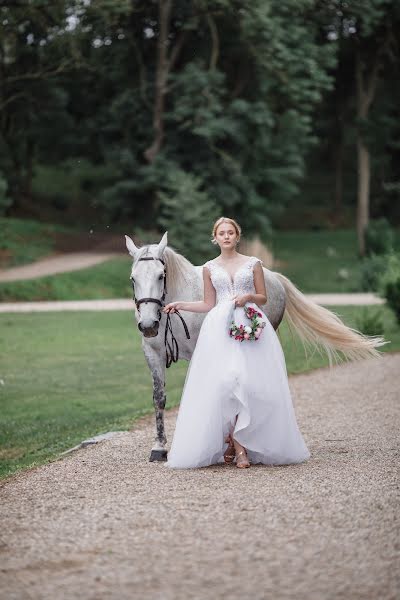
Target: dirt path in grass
103 523
126 304
73 261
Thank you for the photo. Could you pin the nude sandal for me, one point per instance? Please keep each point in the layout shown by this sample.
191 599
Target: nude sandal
229 454
244 464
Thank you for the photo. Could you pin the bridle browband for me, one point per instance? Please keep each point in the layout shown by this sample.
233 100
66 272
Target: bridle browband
171 349
156 300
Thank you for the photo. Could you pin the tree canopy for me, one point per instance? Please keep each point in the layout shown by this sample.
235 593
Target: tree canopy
223 100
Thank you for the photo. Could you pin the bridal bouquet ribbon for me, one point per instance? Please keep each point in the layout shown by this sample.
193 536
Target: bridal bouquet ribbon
248 332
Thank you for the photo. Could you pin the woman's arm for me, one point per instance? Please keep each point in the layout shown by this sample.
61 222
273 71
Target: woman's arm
202 305
260 297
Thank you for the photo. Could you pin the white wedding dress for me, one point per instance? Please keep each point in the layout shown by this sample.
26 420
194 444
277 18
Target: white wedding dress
234 386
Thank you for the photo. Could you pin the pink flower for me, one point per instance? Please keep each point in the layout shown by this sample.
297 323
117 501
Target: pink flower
257 332
246 336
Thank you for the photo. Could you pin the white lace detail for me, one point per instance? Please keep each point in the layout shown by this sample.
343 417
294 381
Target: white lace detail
243 281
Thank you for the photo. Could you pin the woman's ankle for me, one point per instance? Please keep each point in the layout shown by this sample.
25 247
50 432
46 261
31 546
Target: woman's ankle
238 447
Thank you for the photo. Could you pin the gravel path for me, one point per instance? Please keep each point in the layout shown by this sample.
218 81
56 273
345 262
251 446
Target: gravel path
104 523
73 261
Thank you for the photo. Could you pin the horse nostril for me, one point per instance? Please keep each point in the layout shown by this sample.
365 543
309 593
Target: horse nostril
139 327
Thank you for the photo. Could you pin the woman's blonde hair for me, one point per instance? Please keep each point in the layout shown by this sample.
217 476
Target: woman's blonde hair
217 223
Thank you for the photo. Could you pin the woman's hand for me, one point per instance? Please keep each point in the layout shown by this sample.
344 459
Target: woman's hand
241 300
171 307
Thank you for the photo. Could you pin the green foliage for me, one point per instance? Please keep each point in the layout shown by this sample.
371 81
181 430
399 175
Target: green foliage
392 294
370 322
246 83
23 240
35 48
237 111
186 211
390 283
379 237
365 36
5 201
371 270
72 186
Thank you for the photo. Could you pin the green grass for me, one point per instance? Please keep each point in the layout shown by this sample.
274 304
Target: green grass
313 260
69 376
23 241
107 280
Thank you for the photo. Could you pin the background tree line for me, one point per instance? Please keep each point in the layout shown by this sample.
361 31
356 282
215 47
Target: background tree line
169 113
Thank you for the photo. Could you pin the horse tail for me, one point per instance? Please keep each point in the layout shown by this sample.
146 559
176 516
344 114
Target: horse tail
323 328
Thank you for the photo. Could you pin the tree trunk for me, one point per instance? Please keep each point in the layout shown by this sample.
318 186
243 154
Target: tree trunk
165 64
366 88
20 178
161 80
338 191
364 176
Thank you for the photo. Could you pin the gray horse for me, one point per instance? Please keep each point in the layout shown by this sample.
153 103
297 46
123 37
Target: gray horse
161 275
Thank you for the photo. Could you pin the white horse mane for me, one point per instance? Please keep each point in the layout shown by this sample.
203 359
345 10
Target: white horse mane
180 271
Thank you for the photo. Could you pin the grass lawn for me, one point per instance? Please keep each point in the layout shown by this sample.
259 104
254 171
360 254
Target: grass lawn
69 376
311 259
23 241
107 280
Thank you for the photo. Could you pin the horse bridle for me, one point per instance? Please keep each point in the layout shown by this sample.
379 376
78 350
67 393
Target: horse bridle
171 349
156 300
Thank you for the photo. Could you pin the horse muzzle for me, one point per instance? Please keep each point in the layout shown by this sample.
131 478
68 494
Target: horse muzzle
149 327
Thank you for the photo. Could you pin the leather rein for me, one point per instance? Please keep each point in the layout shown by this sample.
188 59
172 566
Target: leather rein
171 348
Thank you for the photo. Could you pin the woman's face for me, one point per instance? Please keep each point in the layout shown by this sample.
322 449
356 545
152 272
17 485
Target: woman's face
226 235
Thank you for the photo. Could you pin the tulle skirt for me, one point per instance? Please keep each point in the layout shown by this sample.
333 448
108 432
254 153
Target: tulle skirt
240 388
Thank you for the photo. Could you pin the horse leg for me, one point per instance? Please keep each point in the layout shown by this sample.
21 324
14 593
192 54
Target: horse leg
158 451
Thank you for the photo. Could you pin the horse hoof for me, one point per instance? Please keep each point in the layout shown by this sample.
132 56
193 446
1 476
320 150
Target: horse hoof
158 455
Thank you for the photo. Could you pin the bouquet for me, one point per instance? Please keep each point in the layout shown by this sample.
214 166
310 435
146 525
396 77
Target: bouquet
248 332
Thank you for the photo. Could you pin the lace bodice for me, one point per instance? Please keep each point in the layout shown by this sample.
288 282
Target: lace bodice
243 282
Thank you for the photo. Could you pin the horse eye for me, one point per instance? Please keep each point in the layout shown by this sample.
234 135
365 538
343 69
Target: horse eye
161 277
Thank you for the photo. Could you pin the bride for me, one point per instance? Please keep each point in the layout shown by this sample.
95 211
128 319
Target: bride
236 403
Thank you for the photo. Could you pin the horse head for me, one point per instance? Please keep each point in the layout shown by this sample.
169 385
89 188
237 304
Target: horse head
148 277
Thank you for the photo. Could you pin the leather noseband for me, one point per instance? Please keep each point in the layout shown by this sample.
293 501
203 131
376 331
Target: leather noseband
171 349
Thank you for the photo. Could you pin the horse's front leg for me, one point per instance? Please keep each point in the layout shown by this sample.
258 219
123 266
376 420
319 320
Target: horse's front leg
157 367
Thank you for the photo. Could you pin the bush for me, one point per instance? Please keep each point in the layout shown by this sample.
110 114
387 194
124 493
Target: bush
389 284
370 322
392 293
378 237
187 212
5 201
372 269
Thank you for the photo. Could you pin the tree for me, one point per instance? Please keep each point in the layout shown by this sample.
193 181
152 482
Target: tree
187 213
223 91
370 31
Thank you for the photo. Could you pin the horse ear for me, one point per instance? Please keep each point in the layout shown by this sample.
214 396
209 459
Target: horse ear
162 245
132 249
